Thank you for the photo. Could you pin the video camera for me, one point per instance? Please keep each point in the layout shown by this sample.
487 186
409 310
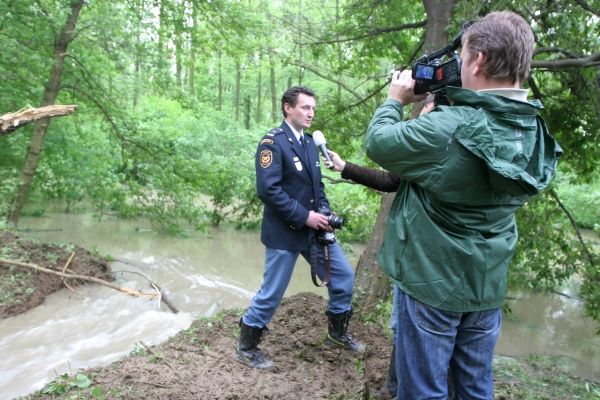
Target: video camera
432 74
326 237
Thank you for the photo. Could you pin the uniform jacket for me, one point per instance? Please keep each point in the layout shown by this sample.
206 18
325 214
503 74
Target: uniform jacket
465 169
288 181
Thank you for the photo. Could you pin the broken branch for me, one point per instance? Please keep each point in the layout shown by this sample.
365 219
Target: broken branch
13 121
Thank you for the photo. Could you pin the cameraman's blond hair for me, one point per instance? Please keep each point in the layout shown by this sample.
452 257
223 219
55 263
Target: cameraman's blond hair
506 40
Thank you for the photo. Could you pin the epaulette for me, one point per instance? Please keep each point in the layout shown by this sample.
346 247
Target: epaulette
274 131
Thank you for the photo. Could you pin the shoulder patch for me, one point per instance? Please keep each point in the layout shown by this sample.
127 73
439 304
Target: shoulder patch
266 141
274 131
266 158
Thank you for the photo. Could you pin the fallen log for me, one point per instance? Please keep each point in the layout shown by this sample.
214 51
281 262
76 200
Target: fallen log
13 121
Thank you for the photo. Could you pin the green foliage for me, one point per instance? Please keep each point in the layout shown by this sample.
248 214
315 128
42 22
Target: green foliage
582 200
64 383
160 130
549 253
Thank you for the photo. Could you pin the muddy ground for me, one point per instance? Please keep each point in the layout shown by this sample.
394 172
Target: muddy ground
199 363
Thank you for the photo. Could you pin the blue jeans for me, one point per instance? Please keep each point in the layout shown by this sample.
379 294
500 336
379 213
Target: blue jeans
431 342
279 265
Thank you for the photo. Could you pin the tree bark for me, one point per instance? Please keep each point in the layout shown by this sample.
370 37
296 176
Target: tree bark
41 128
372 284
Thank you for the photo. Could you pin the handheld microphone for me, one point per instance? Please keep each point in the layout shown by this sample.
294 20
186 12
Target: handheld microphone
320 141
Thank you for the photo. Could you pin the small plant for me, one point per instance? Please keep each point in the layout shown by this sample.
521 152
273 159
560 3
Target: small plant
138 350
64 383
359 365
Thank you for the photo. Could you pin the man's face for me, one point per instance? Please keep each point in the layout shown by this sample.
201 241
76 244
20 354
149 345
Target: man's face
301 115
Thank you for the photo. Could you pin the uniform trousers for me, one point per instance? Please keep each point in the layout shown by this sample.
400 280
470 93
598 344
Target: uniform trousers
279 265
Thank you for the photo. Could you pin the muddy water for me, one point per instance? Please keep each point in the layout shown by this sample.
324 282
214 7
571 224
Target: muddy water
201 274
98 325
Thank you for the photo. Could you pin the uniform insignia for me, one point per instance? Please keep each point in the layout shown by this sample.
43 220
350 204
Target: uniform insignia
266 158
267 141
298 165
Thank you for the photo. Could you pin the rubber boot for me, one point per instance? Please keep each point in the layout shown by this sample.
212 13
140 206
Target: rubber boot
248 353
337 331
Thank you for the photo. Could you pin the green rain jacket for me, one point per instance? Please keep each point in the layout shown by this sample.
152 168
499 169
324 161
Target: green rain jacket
466 169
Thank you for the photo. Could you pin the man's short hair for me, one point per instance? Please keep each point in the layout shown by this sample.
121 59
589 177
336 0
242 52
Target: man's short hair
506 40
291 96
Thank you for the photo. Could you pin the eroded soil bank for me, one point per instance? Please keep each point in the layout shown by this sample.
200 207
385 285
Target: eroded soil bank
22 288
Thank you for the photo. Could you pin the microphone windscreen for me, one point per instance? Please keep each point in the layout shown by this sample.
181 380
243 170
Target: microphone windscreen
319 138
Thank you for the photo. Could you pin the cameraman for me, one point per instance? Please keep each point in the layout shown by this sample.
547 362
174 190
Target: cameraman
288 181
451 231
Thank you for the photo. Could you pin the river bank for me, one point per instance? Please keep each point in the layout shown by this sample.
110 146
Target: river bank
198 362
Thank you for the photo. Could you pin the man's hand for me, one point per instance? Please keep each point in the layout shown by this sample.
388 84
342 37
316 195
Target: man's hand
402 88
338 163
429 104
317 221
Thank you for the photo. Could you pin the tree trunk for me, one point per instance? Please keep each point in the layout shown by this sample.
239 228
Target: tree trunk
179 56
238 82
372 284
219 83
41 128
273 87
247 111
192 55
259 94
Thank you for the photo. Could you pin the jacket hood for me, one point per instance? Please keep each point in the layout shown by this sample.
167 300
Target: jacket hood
510 137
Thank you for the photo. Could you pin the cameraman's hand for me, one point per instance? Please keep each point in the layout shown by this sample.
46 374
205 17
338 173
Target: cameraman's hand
338 163
402 88
317 221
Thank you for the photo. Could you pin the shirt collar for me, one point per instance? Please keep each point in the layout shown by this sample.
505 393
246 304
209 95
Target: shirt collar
511 93
296 133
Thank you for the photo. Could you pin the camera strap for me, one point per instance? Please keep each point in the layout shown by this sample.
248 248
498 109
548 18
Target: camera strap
314 263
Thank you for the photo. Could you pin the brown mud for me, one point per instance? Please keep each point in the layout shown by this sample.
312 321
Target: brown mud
200 363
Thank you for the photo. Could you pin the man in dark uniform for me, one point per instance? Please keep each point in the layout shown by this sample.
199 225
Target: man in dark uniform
288 181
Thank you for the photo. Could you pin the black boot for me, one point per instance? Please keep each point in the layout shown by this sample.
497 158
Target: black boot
248 353
337 328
